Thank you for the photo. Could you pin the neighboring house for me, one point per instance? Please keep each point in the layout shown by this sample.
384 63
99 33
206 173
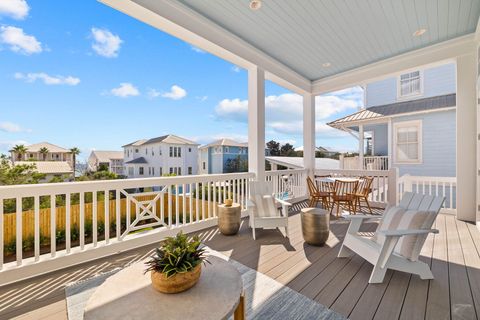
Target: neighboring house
49 159
410 120
112 160
328 152
223 156
169 154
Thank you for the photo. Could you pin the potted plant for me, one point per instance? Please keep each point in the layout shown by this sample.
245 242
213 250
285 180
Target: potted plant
228 202
177 264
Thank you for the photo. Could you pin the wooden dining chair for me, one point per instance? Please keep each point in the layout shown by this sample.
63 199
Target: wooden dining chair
364 188
343 194
316 195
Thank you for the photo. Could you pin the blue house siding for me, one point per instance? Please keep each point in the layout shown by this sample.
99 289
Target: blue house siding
439 80
438 142
380 138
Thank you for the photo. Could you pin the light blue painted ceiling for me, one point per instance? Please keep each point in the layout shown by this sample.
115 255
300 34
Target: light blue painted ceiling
347 34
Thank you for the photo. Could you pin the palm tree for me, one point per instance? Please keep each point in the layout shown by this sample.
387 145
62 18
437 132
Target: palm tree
75 152
44 151
20 150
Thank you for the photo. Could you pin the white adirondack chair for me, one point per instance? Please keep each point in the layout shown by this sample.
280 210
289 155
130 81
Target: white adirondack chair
263 208
385 256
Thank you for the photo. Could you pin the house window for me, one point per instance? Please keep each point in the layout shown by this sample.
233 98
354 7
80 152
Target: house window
227 149
179 152
408 142
149 171
161 171
153 171
171 170
160 151
130 171
136 150
140 171
410 84
203 164
179 171
190 170
189 149
146 150
171 152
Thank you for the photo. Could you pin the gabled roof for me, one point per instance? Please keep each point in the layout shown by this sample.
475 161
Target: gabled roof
169 138
106 156
49 167
297 162
137 161
225 142
51 147
396 109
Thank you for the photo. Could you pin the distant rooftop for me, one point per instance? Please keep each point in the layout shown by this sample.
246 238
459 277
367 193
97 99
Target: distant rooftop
225 142
137 161
394 109
106 156
169 138
297 162
51 147
49 167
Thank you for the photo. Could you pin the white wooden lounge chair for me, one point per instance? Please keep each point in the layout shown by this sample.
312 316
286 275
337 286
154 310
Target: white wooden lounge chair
399 237
263 208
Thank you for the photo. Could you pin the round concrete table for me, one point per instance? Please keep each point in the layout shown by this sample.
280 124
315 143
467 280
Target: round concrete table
128 294
229 218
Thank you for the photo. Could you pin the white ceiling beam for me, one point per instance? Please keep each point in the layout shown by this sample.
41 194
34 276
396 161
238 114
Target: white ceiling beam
434 54
184 23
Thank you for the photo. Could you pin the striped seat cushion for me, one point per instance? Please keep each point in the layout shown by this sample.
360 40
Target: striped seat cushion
264 205
397 218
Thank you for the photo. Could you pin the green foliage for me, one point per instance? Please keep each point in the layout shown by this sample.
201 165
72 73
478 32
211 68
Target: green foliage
103 167
177 254
18 174
236 165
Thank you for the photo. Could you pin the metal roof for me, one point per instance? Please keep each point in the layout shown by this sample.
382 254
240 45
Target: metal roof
106 156
225 142
51 147
137 161
396 109
49 167
169 138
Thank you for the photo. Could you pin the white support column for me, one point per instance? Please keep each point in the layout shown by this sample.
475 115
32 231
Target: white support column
390 143
256 122
309 133
361 147
466 137
274 166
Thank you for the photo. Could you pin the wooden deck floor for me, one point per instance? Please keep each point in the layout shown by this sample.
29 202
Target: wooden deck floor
340 284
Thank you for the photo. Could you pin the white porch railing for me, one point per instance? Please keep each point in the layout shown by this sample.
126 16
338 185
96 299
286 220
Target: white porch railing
369 163
437 186
384 185
70 223
291 181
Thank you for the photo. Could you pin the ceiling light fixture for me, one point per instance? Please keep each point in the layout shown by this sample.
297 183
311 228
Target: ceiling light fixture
255 4
326 64
419 32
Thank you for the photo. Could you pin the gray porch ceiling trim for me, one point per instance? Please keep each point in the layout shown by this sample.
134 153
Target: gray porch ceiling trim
290 43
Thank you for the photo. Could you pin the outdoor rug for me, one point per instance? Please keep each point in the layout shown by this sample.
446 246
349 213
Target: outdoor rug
265 298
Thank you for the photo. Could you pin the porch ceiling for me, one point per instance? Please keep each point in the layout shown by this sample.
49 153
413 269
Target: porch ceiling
304 35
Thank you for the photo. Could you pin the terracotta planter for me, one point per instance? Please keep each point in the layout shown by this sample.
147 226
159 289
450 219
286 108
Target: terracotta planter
177 283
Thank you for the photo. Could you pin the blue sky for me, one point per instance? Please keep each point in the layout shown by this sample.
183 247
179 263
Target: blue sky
78 73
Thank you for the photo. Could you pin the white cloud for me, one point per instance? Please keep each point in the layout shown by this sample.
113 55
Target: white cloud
197 50
202 98
18 41
284 113
125 90
12 127
236 69
175 93
16 9
153 93
47 79
6 146
106 43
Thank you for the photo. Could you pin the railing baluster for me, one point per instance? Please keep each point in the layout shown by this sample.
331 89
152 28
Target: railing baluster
215 198
118 215
169 198
208 200
53 226
184 204
82 220
94 219
36 206
107 216
67 223
203 201
162 208
191 202
177 206
19 226
197 202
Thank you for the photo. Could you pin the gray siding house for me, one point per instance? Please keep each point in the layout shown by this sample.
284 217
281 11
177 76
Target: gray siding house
409 122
